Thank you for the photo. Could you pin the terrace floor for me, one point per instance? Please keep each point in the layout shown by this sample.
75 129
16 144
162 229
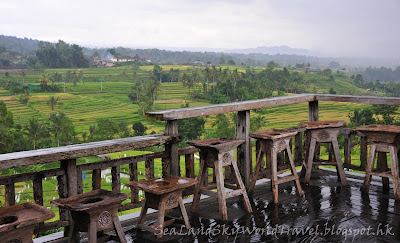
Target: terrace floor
326 213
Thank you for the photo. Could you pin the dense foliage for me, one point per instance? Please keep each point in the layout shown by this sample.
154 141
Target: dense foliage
61 55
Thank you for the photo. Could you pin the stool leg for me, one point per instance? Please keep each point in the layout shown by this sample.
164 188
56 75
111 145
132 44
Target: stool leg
143 212
118 229
73 233
221 190
274 175
395 172
199 185
245 198
256 171
339 163
161 216
310 159
92 232
293 169
370 165
184 213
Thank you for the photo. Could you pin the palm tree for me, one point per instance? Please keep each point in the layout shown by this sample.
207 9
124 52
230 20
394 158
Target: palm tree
53 101
35 129
92 130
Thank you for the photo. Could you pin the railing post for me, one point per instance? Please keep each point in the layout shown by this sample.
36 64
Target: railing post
347 149
243 151
116 179
10 194
313 111
71 173
313 115
363 152
133 176
171 164
96 179
67 187
38 190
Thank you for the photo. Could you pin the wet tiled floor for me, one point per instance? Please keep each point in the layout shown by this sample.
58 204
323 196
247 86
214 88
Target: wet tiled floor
326 213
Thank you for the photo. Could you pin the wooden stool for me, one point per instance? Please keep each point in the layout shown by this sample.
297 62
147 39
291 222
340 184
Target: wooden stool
93 212
162 194
324 132
383 139
218 153
17 222
272 142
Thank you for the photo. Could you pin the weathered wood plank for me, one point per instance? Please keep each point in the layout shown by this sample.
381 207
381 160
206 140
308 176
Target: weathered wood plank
359 99
31 176
243 150
39 156
228 107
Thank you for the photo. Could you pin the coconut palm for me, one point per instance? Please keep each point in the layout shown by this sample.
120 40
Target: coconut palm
35 130
53 101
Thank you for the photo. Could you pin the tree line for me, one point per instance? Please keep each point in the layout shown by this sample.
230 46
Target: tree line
57 130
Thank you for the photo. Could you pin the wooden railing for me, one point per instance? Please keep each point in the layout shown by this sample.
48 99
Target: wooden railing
69 174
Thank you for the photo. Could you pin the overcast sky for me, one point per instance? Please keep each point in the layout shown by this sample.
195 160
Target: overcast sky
334 27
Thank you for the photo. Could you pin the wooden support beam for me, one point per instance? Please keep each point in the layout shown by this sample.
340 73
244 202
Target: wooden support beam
172 162
243 150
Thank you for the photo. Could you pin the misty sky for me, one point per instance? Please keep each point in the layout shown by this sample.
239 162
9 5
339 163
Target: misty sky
333 27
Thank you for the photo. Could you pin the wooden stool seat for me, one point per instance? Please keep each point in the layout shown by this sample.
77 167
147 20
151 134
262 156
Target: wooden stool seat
324 132
274 141
218 153
162 194
93 212
383 139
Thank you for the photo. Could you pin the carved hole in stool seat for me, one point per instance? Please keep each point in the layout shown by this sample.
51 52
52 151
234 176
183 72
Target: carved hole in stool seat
8 219
162 183
92 200
172 199
323 135
104 219
17 240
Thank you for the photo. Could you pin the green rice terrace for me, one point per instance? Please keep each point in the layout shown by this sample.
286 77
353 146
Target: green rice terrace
103 93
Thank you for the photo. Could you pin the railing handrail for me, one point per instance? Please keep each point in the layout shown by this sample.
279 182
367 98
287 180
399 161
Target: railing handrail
32 157
176 114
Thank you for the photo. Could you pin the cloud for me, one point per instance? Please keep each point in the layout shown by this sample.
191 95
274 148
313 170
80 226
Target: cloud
342 28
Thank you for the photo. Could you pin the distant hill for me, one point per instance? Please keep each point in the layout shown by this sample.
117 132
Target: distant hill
21 45
272 50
